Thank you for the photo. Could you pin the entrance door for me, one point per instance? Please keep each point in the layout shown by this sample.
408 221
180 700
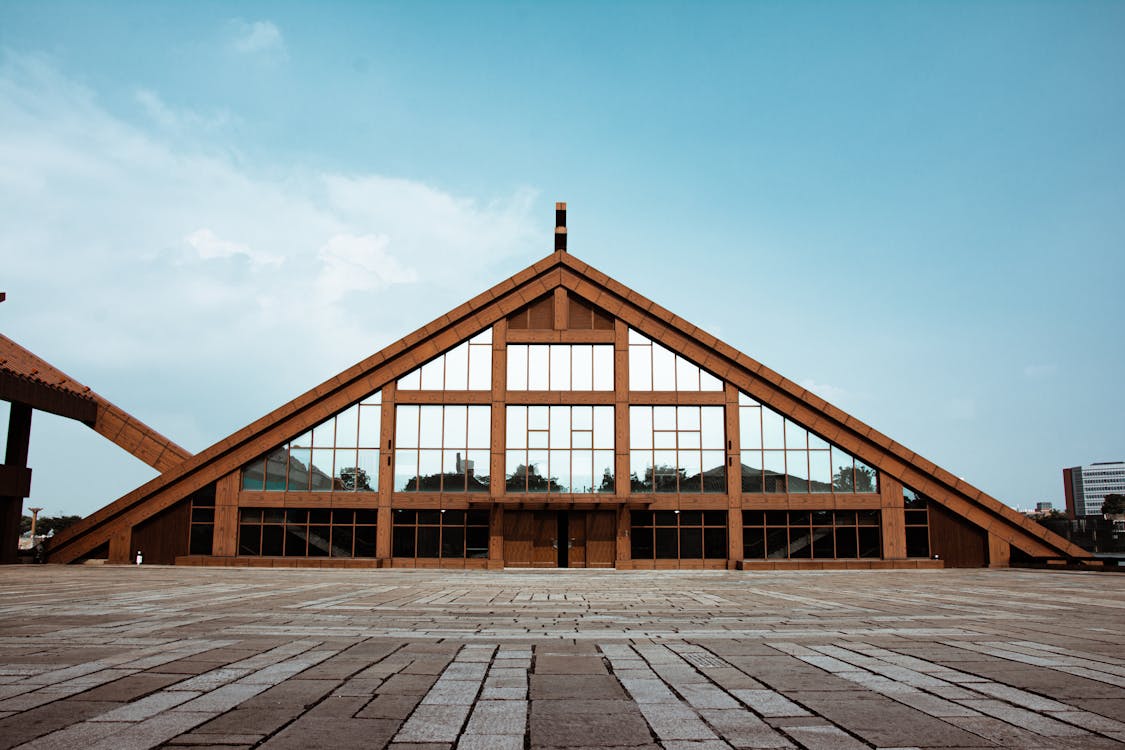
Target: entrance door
560 538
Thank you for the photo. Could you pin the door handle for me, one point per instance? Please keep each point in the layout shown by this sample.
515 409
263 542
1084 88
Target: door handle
554 544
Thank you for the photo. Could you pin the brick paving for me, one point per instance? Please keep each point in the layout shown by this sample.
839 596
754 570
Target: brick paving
107 658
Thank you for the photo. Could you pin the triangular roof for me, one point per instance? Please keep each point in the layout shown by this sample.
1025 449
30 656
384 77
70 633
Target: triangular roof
561 269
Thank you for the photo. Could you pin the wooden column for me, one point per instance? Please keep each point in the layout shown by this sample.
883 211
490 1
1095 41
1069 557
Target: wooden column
496 537
999 551
734 478
225 540
497 471
121 551
893 516
621 482
11 506
386 473
562 309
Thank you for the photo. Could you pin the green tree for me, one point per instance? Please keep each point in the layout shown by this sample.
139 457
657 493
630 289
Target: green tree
1113 505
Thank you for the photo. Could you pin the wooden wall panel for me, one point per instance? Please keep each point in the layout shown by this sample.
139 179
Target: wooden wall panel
386 472
225 543
734 478
164 537
893 518
959 543
999 552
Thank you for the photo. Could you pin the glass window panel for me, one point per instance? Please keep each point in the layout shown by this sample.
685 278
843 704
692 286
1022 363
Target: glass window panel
538 418
910 496
864 478
664 472
476 542
453 541
664 417
640 517
453 471
641 543
688 440
484 337
715 543
560 471
433 375
753 543
640 468
582 367
715 518
538 439
366 516
603 368
537 476
820 471
249 539
582 417
640 368
867 517
429 542
343 539
796 436
367 477
515 471
604 471
374 398
480 427
402 541
691 467
253 475
429 426
296 541
516 427
457 368
753 518
823 544
305 441
477 471
321 470
917 517
324 434
797 467
411 381
365 541
538 368
846 542
319 540
582 439
406 470
347 428
751 471
842 475
708 382
687 375
276 467
582 471
800 543
560 427
273 541
455 428
480 368
714 471
517 367
273 515
774 470
799 518
604 427
299 460
201 539
560 367
691 543
665 439
430 517
687 418
691 518
711 426
777 542
817 443
663 369
869 541
750 427
406 426
917 541
666 543
640 426
429 471
773 429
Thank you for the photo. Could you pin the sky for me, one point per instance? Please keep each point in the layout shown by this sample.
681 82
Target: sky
913 209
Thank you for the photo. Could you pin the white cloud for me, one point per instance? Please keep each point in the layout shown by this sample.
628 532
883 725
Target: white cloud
207 246
831 393
355 264
257 38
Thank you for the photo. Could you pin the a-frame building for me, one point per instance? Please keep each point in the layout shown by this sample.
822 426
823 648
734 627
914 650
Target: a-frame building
559 419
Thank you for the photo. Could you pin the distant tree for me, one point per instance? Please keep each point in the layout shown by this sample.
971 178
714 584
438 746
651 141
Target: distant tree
1114 504
864 481
353 478
46 524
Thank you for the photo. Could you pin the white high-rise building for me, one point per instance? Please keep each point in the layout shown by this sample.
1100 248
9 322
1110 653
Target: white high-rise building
1087 486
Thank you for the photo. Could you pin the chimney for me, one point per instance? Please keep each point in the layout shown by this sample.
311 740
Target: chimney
560 226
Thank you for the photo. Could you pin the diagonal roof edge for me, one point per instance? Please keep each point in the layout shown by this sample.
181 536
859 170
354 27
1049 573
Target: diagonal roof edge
522 288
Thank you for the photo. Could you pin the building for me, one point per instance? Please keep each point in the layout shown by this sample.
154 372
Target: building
559 419
1087 486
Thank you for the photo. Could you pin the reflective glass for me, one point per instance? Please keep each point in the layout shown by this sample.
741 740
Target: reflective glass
712 427
343 538
715 543
480 427
321 470
820 471
640 469
347 429
687 418
823 543
750 427
406 470
666 539
560 427
478 470
517 367
691 543
751 471
641 546
356 473
708 382
604 471
560 367
406 426
538 418
516 427
429 471
455 428
864 478
582 439
457 369
714 472
603 427
582 471
797 467
640 368
559 470
582 417
640 426
582 363
253 475
842 474
846 542
664 417
774 465
753 543
365 541
687 375
773 429
429 426
538 368
299 460
603 368
433 375
480 368
324 434
664 439
476 542
796 437
663 369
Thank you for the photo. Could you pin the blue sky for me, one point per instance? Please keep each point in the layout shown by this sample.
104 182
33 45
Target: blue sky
914 209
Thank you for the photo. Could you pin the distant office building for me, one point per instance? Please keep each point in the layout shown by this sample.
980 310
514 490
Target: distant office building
1087 486
1044 507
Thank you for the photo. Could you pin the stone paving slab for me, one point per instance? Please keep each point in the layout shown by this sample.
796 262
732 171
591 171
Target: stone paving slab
120 658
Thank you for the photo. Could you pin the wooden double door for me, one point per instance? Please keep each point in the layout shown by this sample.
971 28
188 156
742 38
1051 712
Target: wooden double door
560 538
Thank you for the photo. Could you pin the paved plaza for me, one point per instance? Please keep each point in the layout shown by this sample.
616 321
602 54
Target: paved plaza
123 658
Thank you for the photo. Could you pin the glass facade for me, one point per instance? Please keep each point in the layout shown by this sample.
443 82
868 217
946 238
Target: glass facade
441 534
917 523
779 455
341 454
671 535
677 449
655 368
465 367
559 449
306 532
560 367
442 448
811 535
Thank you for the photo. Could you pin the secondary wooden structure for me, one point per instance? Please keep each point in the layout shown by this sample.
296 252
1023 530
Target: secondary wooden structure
559 419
